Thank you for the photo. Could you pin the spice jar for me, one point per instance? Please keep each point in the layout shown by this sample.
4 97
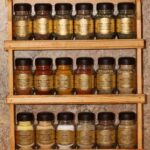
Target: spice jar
84 75
23 76
63 22
106 131
126 76
43 23
84 23
126 21
45 130
25 130
127 130
43 77
22 22
65 133
64 76
86 130
105 21
106 75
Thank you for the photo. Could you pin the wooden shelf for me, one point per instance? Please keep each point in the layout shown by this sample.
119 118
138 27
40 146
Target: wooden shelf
74 44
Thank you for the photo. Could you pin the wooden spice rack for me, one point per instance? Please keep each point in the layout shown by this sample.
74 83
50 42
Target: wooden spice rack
137 44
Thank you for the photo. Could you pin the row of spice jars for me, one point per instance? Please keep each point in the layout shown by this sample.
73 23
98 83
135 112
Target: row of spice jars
84 135
84 80
64 26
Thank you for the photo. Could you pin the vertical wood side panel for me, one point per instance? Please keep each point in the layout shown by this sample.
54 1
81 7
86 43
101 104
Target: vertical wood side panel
10 12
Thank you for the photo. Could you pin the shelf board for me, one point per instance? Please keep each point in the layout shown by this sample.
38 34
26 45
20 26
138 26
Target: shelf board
76 99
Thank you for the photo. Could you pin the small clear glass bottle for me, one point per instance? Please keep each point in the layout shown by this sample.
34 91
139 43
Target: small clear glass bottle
84 22
106 131
126 21
22 22
105 21
127 131
85 130
43 23
63 22
106 75
65 132
126 75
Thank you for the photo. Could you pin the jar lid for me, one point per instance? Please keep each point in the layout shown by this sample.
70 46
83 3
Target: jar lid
65 116
64 61
105 6
63 6
86 116
126 6
22 7
45 116
106 116
43 61
85 61
106 61
23 62
127 61
127 116
84 6
43 6
25 116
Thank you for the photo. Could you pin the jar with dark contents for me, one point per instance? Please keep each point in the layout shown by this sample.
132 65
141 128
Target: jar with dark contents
23 77
84 76
43 77
22 22
64 76
84 22
43 23
106 76
105 21
63 22
126 75
127 131
106 131
126 21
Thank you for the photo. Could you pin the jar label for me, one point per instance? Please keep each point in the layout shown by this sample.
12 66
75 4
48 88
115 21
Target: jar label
84 26
65 137
84 81
43 82
105 25
63 26
126 25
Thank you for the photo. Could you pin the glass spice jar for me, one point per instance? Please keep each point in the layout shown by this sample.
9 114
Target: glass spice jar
64 76
23 78
65 132
126 21
25 130
106 76
105 21
43 23
43 77
63 22
127 130
106 131
45 130
86 130
84 75
22 22
126 75
84 22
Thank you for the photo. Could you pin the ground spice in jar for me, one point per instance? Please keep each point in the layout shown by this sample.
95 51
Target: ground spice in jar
22 22
23 78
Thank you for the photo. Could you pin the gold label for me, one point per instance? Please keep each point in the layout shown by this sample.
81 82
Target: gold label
84 81
126 25
84 26
43 82
63 26
105 25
